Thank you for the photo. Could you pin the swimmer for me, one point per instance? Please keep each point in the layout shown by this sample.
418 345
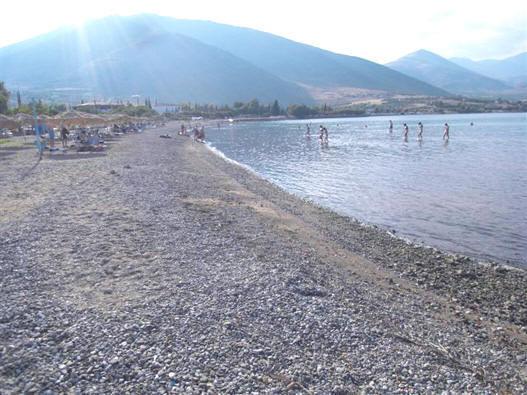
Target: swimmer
419 131
323 135
405 131
446 135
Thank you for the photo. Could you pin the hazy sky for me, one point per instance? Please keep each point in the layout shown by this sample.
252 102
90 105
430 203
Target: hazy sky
380 31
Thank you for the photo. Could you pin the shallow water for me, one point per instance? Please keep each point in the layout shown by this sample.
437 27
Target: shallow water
468 195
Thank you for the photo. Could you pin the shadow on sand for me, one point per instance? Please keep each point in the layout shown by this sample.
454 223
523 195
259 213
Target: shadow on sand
4 154
27 173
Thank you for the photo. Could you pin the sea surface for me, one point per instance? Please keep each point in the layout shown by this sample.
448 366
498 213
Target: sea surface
467 195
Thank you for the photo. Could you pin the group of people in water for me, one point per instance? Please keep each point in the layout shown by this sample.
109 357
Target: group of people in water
446 131
323 135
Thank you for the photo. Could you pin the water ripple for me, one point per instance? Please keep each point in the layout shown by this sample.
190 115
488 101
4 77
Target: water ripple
468 195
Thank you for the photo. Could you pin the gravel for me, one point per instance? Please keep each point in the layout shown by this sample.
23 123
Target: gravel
159 267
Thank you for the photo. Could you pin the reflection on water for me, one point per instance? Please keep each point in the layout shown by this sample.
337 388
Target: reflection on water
467 194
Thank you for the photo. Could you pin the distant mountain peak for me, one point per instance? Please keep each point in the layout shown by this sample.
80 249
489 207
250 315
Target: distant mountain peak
424 52
512 70
436 70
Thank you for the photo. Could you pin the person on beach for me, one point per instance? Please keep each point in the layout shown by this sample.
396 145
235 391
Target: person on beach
182 130
390 126
446 132
64 137
419 131
405 132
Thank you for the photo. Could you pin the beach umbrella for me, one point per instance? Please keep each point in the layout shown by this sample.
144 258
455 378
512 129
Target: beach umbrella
116 117
46 120
73 118
95 119
23 119
7 122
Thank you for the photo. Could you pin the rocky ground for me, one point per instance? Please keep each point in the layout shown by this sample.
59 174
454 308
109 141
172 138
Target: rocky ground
158 267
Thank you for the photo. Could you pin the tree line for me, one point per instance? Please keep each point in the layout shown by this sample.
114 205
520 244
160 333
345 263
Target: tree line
256 109
51 109
41 108
252 108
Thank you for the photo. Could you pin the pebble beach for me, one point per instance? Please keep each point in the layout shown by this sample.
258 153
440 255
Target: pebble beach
156 266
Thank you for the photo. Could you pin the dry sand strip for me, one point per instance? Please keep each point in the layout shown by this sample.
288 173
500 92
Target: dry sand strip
159 267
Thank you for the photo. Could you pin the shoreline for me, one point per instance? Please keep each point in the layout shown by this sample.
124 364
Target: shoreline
159 266
213 121
507 263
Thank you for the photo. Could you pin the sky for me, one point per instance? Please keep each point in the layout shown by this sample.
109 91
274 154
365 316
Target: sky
380 31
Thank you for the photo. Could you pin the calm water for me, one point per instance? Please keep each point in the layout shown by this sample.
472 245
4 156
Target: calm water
468 195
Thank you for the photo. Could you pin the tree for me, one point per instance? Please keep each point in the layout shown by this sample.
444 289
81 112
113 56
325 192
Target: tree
299 111
4 98
252 107
18 99
275 110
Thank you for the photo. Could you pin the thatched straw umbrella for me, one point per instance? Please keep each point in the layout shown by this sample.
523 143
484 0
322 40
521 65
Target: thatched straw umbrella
46 120
7 122
95 119
23 119
73 118
116 118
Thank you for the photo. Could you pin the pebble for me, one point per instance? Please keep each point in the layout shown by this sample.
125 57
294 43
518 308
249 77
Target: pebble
241 308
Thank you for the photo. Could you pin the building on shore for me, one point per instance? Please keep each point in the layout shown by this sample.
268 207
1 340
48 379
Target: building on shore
99 107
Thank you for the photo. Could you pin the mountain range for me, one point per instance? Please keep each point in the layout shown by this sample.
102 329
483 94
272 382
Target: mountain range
175 60
512 70
197 61
489 78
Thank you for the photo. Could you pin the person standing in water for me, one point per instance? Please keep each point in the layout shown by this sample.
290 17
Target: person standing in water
419 131
308 131
323 135
446 131
390 127
405 131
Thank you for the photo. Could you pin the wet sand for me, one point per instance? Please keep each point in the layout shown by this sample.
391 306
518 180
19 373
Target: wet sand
158 266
